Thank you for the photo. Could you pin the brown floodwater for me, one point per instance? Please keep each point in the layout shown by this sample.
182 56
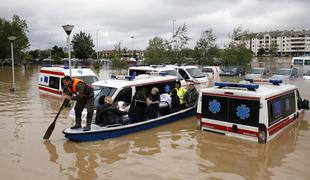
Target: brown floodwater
172 151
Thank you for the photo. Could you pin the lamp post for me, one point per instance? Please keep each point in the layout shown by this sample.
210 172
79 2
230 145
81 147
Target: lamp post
12 39
132 45
68 29
97 45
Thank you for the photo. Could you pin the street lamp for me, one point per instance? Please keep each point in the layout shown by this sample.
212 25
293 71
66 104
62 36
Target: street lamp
12 39
68 29
97 45
132 45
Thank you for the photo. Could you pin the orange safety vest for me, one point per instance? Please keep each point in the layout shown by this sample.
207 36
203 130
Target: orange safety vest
75 82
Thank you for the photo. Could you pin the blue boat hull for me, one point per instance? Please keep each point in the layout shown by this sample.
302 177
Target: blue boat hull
127 129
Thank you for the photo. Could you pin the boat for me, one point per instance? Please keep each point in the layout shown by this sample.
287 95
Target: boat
123 88
100 133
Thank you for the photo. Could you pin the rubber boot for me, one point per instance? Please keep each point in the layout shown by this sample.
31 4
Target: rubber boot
77 123
88 123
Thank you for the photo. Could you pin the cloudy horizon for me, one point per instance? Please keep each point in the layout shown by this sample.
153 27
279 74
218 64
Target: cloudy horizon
116 21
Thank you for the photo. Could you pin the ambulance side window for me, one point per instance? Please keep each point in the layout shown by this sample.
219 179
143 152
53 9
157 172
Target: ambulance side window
215 108
281 107
245 112
54 82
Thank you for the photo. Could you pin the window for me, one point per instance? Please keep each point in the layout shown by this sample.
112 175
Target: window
183 74
214 107
307 61
165 87
298 62
88 79
54 82
102 91
245 112
133 72
124 95
237 111
281 107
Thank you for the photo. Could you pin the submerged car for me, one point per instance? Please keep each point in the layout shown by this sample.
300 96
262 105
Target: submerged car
232 71
307 75
285 73
211 71
256 73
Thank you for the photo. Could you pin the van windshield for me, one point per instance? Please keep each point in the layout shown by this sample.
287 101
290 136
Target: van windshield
257 71
207 70
284 72
88 79
171 72
298 62
195 72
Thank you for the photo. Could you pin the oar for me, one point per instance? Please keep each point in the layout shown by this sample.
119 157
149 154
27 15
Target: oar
50 129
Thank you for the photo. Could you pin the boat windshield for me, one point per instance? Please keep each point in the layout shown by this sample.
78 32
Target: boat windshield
195 72
88 79
284 72
102 91
257 71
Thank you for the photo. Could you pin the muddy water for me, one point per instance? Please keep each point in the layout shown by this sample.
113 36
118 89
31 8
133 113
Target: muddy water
173 151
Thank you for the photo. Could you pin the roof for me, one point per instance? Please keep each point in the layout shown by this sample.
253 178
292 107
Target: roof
263 91
76 72
186 67
139 80
150 68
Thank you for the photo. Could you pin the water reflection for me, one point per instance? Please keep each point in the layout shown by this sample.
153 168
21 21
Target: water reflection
247 159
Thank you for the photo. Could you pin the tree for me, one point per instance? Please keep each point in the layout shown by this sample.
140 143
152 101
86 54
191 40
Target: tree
203 47
273 48
261 51
18 28
237 54
116 62
57 53
157 51
179 42
83 45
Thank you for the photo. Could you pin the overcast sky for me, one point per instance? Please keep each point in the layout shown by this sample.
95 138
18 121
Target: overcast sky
116 20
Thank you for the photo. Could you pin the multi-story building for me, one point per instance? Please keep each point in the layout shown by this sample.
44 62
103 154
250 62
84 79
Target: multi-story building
280 43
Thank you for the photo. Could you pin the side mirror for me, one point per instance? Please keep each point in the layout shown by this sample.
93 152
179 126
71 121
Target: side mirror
305 104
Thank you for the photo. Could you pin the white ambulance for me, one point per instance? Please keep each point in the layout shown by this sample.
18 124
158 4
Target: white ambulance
257 111
50 78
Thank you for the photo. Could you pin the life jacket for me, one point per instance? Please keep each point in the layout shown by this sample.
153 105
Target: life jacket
72 89
181 92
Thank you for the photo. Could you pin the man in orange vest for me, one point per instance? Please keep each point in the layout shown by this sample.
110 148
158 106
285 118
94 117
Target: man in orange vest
83 94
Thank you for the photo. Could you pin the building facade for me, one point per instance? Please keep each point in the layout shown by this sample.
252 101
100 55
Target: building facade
279 43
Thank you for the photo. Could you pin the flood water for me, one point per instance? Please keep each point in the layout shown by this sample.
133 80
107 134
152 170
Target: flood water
172 151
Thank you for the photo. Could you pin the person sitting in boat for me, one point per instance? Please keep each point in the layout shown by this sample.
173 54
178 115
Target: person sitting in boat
102 106
152 102
165 104
181 92
136 111
110 114
175 101
191 95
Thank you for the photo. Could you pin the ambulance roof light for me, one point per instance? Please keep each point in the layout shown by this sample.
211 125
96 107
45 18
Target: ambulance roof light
251 87
272 81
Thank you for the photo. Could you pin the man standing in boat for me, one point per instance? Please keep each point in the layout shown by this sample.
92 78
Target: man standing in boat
83 94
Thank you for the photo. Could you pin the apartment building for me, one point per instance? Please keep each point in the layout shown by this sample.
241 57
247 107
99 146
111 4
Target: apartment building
282 43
